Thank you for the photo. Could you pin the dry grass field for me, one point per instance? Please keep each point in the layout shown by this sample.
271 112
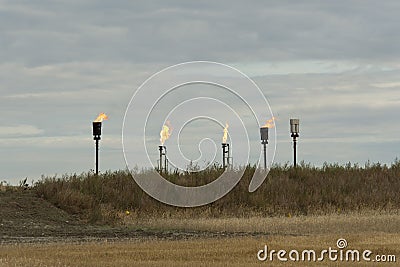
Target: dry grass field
366 222
82 220
204 252
305 190
379 233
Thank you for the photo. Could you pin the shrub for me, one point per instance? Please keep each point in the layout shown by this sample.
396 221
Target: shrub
302 190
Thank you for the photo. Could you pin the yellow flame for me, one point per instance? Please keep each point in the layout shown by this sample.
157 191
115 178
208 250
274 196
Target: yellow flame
225 137
270 123
165 132
102 116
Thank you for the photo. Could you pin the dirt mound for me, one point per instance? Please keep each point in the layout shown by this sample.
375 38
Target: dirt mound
23 214
25 217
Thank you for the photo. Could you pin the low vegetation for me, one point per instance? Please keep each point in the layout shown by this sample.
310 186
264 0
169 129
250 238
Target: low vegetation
288 191
240 251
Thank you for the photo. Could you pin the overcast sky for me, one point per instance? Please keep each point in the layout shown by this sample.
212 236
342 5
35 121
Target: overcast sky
333 64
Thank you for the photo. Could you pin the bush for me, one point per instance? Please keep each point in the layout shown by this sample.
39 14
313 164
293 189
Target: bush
302 190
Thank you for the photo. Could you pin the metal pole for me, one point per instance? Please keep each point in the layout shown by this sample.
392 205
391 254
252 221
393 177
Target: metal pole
165 160
228 155
97 156
161 163
294 151
223 155
265 156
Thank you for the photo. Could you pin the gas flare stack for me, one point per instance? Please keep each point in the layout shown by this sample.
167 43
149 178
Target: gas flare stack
97 136
264 142
294 130
225 148
264 137
164 135
163 161
225 155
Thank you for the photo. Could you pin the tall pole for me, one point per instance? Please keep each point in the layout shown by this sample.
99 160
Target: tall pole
264 142
97 156
294 151
165 160
294 130
294 136
228 155
97 138
161 158
223 155
265 156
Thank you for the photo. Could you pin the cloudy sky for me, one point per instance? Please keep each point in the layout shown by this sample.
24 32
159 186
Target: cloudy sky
333 64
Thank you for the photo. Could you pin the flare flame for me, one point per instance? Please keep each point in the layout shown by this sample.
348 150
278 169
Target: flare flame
270 123
165 132
225 137
102 116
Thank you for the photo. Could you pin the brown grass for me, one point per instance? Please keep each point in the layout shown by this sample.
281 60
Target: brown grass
305 190
367 222
302 208
203 252
377 232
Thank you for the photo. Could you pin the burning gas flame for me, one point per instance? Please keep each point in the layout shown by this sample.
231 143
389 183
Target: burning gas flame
102 116
165 132
270 123
225 137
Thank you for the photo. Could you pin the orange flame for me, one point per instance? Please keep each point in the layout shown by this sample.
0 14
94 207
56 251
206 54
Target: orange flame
270 123
165 132
225 137
102 116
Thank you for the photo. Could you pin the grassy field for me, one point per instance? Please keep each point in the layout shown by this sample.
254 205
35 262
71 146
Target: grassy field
367 222
296 208
205 252
378 233
305 190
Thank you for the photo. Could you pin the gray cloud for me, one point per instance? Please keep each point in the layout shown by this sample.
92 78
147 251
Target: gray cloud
226 31
19 130
333 64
